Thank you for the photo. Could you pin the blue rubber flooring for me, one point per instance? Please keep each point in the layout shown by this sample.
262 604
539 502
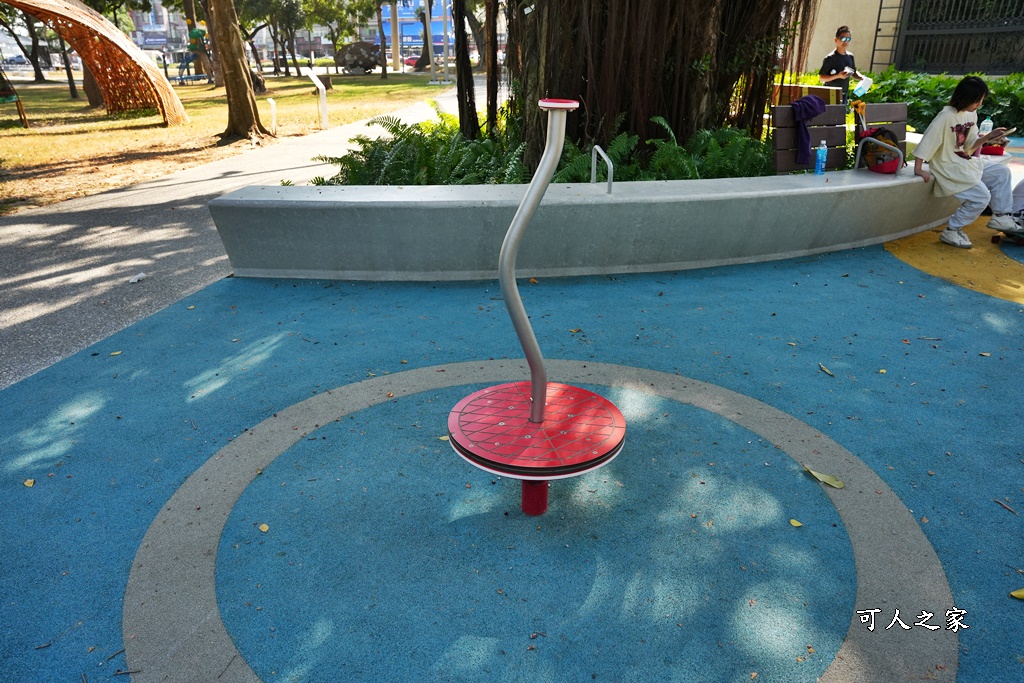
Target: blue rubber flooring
389 558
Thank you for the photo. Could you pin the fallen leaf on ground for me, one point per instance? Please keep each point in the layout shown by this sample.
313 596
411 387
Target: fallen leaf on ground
825 370
30 483
1004 505
116 353
795 523
826 479
442 438
264 528
1019 593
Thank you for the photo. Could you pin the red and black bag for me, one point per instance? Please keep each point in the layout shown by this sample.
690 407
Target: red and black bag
878 158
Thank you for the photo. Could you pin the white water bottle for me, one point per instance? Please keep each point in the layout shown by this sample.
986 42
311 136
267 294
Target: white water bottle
820 159
986 126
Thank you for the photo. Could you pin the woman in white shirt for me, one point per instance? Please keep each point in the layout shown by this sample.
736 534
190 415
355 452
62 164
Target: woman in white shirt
951 146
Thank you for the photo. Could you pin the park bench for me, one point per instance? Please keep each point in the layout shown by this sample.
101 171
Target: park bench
889 115
786 93
192 78
829 126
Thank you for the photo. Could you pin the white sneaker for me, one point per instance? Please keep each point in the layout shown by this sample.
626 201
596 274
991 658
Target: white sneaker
956 238
1006 223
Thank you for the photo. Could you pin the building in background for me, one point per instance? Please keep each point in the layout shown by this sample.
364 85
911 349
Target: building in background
931 36
160 29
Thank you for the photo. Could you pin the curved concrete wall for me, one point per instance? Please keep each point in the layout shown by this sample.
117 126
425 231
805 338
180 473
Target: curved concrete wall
455 232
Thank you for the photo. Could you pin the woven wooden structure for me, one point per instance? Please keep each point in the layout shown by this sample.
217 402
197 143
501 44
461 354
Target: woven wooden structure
126 77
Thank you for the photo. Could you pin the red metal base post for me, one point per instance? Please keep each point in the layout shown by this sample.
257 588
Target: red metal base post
535 497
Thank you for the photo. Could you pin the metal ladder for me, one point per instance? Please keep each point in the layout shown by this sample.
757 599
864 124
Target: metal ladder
885 48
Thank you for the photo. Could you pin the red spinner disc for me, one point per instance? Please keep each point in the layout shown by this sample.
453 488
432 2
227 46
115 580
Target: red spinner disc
581 431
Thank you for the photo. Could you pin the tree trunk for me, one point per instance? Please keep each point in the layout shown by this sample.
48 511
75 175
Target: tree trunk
92 90
275 41
72 88
491 29
423 62
696 63
210 53
383 44
243 116
34 56
256 56
469 122
478 37
295 58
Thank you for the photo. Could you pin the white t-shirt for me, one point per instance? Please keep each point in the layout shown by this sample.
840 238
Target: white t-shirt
943 146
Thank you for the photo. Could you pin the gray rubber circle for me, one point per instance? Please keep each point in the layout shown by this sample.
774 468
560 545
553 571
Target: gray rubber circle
172 625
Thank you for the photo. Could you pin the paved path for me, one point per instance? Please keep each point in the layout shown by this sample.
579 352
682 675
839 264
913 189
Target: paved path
66 267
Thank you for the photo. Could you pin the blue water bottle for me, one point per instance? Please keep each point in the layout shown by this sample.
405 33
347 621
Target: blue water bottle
820 158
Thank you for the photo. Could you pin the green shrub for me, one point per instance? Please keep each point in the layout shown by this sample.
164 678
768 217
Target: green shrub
927 94
729 153
430 153
1005 103
574 166
435 153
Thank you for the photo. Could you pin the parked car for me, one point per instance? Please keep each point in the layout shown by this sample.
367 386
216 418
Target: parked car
411 61
16 59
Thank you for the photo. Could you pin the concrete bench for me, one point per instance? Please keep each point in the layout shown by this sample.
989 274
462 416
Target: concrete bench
430 233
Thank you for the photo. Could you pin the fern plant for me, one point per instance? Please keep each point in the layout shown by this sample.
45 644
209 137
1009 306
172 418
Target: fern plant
729 153
430 153
670 160
435 153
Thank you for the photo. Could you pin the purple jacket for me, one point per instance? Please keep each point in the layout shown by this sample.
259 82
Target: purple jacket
805 109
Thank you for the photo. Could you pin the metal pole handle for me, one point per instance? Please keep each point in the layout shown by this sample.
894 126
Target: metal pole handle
556 110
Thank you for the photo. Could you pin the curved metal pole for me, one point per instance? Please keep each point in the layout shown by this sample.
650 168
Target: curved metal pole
510 248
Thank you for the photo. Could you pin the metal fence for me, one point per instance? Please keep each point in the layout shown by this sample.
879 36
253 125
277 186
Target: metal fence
962 36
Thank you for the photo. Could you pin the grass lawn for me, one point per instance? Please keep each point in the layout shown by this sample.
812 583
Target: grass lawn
72 150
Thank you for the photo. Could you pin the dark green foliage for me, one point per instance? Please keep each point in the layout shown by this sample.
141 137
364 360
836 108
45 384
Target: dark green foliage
431 153
574 167
729 153
927 94
670 159
1005 103
435 153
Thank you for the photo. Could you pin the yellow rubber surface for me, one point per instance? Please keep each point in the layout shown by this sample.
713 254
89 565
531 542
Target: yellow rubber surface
983 268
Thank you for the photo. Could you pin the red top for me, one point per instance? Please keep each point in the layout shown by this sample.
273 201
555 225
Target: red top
581 431
559 104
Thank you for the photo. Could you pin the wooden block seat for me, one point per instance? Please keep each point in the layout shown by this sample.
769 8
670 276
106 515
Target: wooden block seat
829 126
